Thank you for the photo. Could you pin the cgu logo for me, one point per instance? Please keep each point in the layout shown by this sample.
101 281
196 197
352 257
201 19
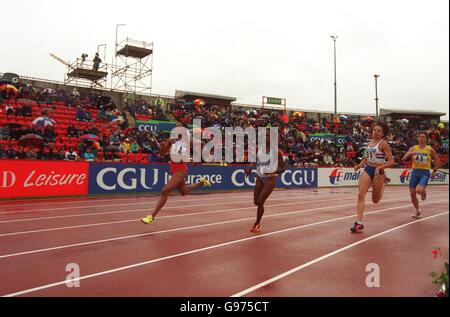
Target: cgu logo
404 176
288 178
147 127
336 176
132 181
8 179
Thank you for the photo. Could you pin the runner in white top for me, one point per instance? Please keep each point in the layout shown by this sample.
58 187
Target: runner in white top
378 157
265 180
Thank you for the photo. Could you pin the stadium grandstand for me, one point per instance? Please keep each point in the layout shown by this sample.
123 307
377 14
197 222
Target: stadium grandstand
68 122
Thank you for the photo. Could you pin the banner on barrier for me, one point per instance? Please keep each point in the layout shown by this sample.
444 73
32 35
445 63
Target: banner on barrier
339 140
42 178
123 178
156 126
349 177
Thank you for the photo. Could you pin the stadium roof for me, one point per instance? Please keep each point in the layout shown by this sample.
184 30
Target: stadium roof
183 94
419 112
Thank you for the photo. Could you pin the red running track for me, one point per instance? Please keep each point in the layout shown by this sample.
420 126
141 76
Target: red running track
200 245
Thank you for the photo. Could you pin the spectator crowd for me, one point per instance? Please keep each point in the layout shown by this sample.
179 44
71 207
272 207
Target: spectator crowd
89 126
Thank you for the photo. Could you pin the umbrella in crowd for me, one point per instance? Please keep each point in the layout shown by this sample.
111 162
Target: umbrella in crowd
43 121
89 137
14 125
299 114
343 117
49 90
369 119
31 140
404 121
199 102
112 148
94 144
265 116
9 88
119 120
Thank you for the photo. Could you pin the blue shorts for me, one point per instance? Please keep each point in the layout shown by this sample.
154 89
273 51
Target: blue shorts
419 177
371 171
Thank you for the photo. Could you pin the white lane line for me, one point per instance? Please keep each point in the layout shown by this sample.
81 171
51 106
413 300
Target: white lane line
328 255
170 216
170 207
139 196
182 202
101 206
127 267
193 227
161 217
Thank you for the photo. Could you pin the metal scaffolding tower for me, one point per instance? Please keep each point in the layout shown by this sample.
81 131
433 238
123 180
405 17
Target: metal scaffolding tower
132 67
84 73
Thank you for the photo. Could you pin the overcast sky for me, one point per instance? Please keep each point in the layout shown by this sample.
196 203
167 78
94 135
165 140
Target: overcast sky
247 49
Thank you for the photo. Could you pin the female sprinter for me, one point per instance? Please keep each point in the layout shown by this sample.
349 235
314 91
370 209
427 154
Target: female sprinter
421 154
378 158
265 181
179 171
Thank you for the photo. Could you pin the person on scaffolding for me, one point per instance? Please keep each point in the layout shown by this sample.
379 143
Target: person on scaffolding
97 61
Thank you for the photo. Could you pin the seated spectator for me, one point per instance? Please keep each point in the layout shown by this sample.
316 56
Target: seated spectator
87 116
114 139
9 110
27 110
71 155
327 159
40 154
125 146
51 155
134 147
60 155
2 152
10 153
88 155
49 134
75 92
101 115
19 111
5 133
72 131
80 114
21 154
31 154
93 130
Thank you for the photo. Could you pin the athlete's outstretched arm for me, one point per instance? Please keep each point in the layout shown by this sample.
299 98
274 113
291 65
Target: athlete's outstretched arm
281 164
436 162
248 171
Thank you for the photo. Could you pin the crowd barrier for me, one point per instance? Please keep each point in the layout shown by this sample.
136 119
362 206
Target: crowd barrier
21 178
331 177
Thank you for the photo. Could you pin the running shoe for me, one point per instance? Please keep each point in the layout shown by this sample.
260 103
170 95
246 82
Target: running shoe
357 227
205 182
418 213
147 220
387 180
256 228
